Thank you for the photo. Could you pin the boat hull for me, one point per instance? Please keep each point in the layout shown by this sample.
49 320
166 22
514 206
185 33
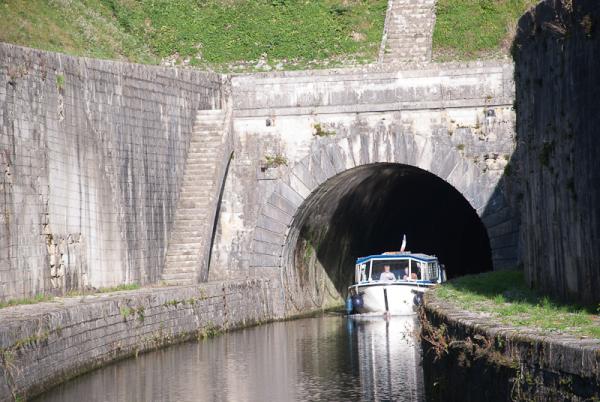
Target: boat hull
402 298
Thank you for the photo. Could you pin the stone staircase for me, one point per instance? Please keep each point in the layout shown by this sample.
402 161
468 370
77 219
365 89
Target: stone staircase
189 245
408 31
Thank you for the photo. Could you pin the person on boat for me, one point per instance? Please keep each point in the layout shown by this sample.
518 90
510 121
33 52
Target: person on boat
386 275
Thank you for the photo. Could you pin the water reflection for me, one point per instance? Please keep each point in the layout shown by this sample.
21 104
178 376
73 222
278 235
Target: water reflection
328 358
389 358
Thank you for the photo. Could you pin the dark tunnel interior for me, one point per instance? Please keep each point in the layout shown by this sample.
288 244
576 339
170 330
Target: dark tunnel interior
367 210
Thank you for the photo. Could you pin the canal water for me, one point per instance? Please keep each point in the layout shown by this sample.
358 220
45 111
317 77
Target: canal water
327 358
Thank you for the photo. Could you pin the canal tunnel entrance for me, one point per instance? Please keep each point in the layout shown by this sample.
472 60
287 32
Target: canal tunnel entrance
367 210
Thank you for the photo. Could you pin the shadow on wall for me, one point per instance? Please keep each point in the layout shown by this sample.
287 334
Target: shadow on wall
367 210
556 167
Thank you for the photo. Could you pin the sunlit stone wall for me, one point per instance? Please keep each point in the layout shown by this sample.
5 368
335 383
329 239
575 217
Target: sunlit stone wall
91 159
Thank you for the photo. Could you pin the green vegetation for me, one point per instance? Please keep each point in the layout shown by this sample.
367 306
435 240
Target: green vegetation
31 300
209 331
321 132
211 33
92 291
78 27
125 311
232 35
273 161
471 29
74 293
126 286
60 81
505 296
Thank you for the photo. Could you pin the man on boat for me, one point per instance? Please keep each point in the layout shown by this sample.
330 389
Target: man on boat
386 275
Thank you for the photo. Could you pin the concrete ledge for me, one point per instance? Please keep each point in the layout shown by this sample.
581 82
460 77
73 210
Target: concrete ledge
514 362
366 90
44 344
373 107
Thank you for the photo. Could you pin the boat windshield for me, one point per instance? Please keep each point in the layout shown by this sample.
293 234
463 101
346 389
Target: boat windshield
399 268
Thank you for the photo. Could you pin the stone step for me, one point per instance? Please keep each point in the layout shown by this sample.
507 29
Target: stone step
210 111
200 206
205 156
193 204
199 174
174 273
207 159
203 174
190 226
207 130
175 267
184 262
181 242
178 280
197 186
204 147
197 160
188 261
201 164
210 117
189 221
189 216
184 243
195 195
179 276
198 179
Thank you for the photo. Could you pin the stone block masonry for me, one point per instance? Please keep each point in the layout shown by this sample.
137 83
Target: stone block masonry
44 344
92 155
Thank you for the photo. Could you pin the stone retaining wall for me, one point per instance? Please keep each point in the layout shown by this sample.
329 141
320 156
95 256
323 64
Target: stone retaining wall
471 357
44 344
92 154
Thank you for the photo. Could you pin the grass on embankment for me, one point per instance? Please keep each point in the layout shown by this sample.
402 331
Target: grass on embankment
472 29
505 296
210 33
46 298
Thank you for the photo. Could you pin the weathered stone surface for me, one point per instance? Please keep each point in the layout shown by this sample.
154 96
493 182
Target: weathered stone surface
92 155
44 344
557 163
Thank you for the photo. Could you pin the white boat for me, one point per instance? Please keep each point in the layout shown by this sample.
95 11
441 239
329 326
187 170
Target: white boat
397 289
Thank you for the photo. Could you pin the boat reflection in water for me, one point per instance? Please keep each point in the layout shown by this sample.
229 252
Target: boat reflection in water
328 358
388 357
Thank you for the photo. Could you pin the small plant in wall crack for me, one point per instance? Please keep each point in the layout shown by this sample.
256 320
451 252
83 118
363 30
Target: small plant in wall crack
125 312
273 161
321 132
60 82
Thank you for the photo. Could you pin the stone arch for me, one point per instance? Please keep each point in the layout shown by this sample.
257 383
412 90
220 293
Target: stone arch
309 178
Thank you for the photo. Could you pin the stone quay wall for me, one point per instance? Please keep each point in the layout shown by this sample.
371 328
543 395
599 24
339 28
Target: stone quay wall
469 357
557 157
45 344
92 155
